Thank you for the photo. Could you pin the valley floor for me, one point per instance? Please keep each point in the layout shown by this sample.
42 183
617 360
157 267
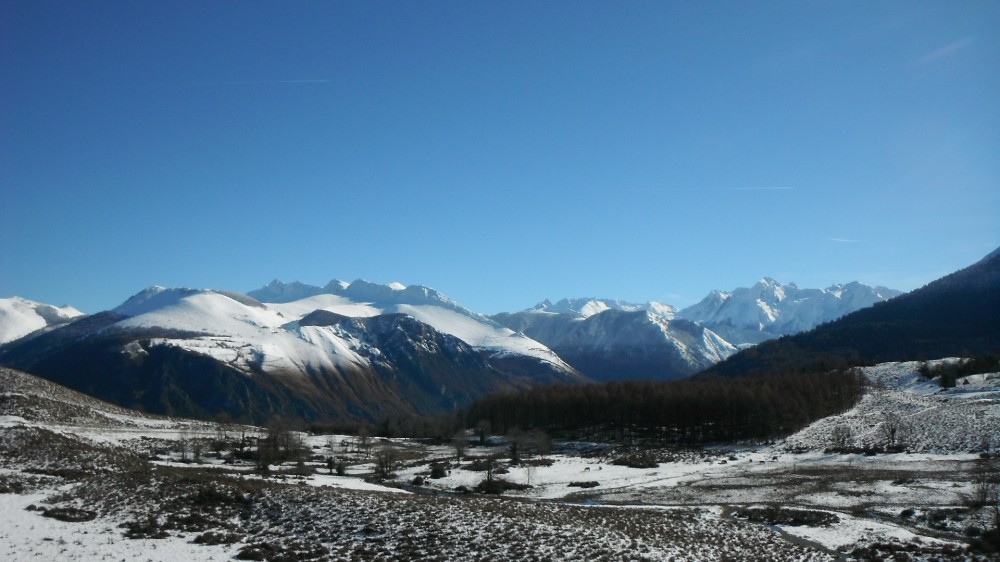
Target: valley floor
111 491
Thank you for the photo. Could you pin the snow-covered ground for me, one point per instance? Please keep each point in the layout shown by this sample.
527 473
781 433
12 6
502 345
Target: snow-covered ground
131 476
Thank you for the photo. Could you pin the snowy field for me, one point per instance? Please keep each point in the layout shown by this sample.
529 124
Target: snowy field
82 480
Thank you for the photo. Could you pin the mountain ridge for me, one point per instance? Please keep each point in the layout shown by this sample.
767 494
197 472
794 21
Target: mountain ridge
204 353
956 315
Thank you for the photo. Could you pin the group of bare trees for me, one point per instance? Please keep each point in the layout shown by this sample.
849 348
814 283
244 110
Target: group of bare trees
688 412
893 434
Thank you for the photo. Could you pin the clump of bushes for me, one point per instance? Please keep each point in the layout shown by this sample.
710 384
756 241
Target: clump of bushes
774 515
218 537
148 528
70 514
438 470
293 552
636 459
499 486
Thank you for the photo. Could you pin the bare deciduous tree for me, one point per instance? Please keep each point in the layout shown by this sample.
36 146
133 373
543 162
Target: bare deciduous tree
895 431
460 442
386 461
841 437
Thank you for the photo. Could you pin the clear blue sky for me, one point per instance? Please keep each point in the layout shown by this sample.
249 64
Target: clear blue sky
500 152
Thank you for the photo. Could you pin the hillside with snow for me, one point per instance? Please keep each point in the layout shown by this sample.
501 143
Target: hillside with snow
20 317
931 419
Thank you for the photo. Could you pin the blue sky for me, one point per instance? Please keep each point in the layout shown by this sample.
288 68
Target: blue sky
500 152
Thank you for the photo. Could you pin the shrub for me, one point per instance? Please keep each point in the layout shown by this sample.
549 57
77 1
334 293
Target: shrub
438 471
499 486
70 514
638 459
775 515
218 537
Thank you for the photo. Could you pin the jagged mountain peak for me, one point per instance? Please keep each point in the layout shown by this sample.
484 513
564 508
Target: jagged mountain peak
360 291
586 307
771 309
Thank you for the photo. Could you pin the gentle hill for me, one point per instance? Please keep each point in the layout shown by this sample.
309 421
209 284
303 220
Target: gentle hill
29 400
957 315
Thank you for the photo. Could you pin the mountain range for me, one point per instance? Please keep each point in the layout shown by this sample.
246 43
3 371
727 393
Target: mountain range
365 351
615 340
955 316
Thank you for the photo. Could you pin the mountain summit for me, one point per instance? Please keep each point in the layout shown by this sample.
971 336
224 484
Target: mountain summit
770 309
20 317
957 315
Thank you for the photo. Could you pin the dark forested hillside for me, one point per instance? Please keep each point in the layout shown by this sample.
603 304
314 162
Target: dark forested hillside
956 315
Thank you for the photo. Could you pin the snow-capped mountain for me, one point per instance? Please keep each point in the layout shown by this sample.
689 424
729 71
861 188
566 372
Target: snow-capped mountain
20 317
952 316
610 339
363 350
770 309
400 351
587 307
362 298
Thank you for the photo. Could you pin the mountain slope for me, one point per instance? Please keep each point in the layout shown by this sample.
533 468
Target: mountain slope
20 317
957 315
362 298
770 309
613 340
203 353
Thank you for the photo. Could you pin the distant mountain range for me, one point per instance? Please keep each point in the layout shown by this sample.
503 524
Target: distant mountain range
957 315
365 351
613 340
770 310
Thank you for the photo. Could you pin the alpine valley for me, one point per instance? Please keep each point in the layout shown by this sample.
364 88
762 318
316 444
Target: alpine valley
362 351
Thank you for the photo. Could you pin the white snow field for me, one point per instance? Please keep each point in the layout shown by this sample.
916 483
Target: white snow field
20 317
138 487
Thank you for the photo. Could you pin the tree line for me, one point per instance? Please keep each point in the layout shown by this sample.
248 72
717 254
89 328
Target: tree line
689 412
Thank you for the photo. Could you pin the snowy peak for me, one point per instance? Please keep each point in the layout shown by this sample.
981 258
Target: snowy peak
360 291
587 307
276 291
770 309
20 317
153 298
610 339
